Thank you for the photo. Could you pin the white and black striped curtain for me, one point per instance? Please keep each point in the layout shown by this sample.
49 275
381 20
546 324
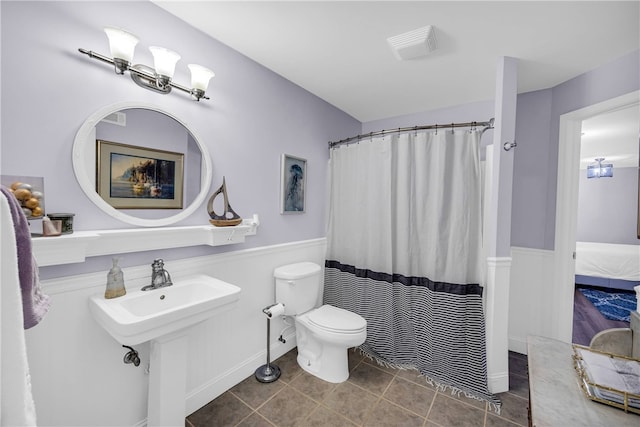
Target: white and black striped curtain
405 252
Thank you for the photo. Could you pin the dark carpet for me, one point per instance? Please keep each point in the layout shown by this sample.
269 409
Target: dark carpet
612 305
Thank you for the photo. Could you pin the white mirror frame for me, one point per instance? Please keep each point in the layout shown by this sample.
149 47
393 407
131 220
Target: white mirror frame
86 134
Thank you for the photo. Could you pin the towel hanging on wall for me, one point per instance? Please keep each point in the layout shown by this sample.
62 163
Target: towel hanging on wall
35 304
17 407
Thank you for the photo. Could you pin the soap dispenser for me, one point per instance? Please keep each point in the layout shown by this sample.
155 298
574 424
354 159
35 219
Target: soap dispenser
115 281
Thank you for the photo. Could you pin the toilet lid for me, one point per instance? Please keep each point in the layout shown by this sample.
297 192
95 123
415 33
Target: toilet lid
336 319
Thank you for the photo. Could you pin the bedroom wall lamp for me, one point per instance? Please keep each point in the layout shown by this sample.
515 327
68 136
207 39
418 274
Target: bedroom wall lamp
600 170
159 79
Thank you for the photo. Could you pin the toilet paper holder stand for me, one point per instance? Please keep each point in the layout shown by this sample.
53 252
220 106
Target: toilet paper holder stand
269 372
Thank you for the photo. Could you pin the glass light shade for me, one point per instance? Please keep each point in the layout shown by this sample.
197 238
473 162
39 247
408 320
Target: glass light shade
606 170
200 76
164 61
121 43
600 170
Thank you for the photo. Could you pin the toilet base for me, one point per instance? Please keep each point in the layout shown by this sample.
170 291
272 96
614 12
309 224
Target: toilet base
332 366
324 353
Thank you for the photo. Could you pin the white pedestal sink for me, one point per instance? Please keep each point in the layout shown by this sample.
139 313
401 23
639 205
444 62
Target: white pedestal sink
167 380
162 317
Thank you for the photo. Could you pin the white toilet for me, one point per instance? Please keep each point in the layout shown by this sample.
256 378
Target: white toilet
323 334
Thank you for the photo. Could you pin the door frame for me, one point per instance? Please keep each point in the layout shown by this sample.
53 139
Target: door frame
567 209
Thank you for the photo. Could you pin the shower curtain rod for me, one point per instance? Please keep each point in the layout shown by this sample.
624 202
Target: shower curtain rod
487 125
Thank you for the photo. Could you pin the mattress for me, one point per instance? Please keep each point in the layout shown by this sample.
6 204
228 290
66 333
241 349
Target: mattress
608 260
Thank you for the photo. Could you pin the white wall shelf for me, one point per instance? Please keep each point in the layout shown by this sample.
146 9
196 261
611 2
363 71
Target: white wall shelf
76 247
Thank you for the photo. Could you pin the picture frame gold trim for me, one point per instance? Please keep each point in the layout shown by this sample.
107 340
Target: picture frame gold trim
293 180
156 183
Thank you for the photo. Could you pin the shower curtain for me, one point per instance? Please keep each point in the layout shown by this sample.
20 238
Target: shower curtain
404 250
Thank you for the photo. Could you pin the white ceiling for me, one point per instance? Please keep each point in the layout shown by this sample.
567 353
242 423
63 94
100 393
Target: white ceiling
338 51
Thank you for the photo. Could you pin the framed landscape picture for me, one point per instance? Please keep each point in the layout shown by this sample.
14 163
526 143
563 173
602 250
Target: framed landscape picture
131 177
292 187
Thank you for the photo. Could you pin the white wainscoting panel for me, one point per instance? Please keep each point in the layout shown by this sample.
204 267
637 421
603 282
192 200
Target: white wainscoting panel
496 312
77 370
530 305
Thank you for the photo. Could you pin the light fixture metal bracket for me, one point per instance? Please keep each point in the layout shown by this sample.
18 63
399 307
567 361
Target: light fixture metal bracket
145 76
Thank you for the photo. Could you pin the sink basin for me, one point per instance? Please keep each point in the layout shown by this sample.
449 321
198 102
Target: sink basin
141 316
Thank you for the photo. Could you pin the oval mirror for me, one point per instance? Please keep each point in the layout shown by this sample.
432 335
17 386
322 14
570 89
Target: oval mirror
131 127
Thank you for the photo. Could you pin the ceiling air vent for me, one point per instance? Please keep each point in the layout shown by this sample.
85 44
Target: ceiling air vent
118 118
414 44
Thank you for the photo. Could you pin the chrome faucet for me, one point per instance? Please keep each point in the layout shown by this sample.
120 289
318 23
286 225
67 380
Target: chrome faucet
159 276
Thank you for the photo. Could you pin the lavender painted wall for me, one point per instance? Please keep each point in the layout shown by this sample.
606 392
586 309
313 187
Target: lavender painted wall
607 208
530 179
254 115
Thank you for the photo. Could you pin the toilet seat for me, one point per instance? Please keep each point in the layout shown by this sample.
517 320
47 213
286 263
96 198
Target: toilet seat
334 319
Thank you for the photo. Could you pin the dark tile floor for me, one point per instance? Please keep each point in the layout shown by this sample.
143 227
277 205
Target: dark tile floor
372 396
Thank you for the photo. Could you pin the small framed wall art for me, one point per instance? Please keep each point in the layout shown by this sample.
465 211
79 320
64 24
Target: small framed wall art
130 177
293 179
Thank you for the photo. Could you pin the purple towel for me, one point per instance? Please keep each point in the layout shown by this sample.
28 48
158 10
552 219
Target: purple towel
35 304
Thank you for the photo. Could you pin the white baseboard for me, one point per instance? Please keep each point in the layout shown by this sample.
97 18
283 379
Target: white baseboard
498 382
518 345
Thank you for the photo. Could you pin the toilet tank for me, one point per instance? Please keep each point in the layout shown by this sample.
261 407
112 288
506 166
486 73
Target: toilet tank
297 286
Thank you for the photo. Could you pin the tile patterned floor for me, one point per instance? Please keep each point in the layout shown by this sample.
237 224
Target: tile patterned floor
372 396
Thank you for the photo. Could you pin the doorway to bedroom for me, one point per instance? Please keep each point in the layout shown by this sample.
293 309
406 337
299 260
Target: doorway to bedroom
607 265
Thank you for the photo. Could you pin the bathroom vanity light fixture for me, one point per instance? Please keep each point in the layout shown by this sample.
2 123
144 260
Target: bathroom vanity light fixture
159 78
600 170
